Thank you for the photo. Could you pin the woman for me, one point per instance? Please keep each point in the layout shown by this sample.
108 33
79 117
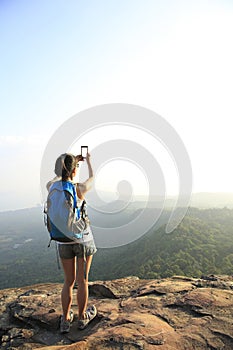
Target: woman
75 255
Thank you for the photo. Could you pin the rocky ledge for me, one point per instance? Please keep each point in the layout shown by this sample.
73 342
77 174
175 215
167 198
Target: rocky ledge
174 313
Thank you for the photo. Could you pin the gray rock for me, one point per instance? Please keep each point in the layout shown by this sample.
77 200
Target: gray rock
173 313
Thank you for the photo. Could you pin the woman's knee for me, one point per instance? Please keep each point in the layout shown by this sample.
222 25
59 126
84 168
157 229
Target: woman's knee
69 282
82 280
82 277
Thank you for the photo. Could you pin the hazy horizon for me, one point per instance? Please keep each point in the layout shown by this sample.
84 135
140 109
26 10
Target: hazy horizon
198 199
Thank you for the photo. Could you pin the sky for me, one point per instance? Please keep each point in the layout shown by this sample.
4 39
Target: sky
59 58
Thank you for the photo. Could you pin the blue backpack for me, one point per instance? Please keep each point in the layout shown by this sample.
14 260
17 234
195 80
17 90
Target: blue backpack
65 222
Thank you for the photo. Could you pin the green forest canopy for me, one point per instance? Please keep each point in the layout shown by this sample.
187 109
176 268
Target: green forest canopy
201 244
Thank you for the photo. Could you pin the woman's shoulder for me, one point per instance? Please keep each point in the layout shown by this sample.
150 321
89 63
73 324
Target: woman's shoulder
53 181
80 184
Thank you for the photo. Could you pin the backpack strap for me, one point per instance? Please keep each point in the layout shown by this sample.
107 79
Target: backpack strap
82 205
70 187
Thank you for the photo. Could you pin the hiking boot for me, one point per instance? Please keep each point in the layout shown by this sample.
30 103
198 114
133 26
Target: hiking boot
65 325
88 317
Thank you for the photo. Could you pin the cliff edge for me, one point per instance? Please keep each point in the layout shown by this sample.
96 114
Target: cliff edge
176 313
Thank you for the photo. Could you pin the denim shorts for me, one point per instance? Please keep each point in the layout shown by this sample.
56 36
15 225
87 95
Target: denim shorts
69 251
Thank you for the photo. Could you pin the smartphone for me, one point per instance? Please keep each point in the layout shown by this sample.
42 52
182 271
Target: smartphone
84 151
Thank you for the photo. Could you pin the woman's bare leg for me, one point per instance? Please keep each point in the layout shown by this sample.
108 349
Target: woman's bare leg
82 292
69 267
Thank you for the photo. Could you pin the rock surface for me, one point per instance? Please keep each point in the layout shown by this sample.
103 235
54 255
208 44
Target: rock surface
176 313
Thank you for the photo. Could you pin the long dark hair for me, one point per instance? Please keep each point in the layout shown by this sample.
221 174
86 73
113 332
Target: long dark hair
64 166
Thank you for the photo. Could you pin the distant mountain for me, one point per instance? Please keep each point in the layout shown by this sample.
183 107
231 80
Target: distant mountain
212 200
202 200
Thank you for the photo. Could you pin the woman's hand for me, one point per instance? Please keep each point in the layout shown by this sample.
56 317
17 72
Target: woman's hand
86 186
79 158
